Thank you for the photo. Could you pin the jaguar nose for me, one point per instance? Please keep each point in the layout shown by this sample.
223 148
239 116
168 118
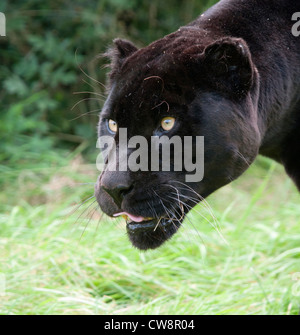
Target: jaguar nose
118 192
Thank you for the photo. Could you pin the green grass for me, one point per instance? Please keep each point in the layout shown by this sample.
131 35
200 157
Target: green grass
57 263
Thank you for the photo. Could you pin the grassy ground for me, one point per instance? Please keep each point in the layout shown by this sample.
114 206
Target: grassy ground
54 262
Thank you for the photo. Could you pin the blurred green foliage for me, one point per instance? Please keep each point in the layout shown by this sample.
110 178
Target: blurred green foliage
50 55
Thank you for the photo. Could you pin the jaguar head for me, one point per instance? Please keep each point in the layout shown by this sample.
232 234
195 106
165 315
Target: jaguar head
204 95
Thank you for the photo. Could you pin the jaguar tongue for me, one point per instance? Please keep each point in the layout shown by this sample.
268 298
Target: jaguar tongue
132 217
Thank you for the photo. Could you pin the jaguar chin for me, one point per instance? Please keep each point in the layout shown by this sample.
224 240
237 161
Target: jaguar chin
231 76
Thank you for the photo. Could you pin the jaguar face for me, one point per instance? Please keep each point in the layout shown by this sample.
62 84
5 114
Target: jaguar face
171 89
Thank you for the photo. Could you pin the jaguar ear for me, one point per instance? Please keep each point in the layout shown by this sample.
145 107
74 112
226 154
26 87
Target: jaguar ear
229 65
118 53
124 48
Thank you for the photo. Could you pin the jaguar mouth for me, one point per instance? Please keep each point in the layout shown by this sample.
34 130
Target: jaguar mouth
134 220
139 224
149 233
150 224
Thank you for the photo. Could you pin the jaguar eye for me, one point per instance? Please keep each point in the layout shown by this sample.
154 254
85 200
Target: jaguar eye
112 126
167 123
